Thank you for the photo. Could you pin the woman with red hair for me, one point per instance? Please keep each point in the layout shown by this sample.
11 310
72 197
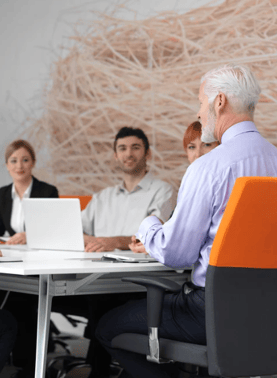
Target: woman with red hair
192 143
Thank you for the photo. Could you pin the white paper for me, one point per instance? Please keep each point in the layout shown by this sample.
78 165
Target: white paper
10 259
22 247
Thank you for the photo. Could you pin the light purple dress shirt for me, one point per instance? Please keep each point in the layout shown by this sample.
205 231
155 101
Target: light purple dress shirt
186 238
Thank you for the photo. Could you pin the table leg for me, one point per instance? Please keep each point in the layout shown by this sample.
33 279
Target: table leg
44 310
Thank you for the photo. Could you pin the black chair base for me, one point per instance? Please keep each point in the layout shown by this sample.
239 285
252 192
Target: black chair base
169 349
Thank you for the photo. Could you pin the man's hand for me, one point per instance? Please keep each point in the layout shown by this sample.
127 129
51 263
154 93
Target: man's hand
100 244
19 238
137 246
88 239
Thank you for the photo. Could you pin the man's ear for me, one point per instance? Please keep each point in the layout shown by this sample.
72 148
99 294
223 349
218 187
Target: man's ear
148 154
220 103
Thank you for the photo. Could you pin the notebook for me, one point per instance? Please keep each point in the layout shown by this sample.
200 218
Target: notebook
130 257
53 223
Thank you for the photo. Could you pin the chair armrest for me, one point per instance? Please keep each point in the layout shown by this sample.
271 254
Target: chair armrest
161 283
156 288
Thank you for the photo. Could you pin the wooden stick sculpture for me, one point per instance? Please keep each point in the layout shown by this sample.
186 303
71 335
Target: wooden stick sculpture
146 74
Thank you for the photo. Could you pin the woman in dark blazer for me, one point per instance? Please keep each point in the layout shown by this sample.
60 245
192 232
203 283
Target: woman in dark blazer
40 189
20 160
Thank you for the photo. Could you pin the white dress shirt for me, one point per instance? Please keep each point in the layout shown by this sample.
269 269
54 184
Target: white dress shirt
17 216
187 237
116 212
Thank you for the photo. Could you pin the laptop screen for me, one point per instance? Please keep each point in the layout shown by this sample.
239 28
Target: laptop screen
53 223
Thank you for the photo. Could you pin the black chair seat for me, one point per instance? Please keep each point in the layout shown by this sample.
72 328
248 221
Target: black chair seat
169 349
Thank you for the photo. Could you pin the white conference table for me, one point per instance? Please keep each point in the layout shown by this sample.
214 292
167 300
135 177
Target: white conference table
59 273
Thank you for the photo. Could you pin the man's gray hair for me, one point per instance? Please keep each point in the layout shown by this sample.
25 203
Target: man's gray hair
238 84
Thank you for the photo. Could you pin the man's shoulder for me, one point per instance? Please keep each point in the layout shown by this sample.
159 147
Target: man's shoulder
208 161
237 151
152 183
109 191
158 183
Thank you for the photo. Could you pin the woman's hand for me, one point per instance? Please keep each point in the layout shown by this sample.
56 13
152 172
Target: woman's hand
137 246
19 238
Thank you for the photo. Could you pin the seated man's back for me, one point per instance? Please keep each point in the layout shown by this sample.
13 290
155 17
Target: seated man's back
228 96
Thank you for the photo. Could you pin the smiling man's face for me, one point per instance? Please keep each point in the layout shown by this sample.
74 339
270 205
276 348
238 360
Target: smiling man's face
130 155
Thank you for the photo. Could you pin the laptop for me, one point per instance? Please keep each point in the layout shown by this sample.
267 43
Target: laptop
130 257
53 223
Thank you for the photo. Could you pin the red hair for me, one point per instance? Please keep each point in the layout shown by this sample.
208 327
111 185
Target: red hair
192 132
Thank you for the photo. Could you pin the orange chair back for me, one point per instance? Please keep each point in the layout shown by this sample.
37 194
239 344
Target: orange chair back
247 234
84 200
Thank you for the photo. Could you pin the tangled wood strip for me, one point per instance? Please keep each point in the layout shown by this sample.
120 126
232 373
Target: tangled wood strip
146 73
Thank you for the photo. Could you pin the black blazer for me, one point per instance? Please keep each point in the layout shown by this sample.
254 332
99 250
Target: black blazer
40 189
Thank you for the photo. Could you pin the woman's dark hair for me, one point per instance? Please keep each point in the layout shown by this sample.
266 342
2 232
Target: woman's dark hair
130 131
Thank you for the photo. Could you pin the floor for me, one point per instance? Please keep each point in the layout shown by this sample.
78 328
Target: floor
77 346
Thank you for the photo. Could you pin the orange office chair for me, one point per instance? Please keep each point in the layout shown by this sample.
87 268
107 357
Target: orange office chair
84 200
241 292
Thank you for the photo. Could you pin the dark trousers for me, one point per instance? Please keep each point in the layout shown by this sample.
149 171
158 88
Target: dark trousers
8 329
93 307
183 319
97 356
24 309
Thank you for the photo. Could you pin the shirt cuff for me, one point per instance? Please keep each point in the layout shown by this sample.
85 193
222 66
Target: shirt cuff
144 227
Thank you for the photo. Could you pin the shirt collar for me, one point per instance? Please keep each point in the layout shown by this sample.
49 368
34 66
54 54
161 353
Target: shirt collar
26 193
238 128
144 184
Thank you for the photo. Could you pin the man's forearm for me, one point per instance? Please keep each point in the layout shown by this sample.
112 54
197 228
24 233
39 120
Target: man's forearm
100 244
121 242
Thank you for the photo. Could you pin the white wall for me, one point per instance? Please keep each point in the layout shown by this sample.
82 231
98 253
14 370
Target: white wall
32 32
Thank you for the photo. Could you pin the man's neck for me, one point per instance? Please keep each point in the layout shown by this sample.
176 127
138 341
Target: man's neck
131 181
228 120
